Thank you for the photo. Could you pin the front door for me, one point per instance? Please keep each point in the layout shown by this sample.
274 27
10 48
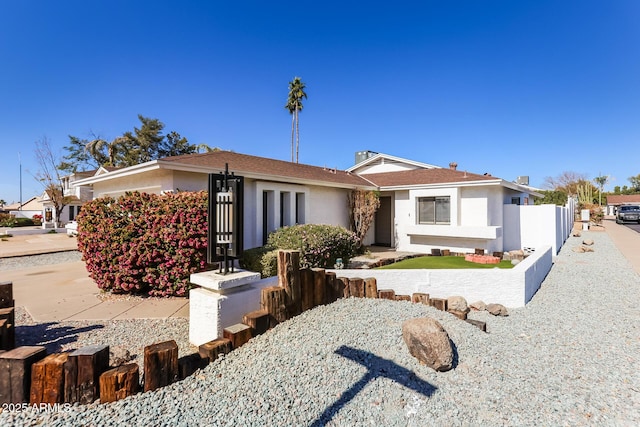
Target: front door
384 223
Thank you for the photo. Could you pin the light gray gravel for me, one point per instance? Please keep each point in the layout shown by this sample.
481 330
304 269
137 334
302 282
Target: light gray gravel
16 263
569 358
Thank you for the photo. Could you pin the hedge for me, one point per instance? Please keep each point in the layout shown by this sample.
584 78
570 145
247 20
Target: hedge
144 243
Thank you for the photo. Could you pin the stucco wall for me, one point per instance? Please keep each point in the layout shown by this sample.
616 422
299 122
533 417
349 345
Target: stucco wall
476 219
512 288
152 182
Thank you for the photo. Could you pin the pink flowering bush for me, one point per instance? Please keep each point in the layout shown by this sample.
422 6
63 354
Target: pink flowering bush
144 243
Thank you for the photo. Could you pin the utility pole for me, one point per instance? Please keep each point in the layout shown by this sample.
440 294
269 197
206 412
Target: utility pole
20 162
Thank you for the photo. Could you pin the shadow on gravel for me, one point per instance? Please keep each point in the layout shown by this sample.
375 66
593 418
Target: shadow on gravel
377 367
50 335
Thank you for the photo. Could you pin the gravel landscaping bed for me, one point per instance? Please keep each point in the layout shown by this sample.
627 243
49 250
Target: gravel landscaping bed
570 357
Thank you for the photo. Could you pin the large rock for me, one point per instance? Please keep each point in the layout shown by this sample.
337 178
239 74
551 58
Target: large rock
587 242
478 306
428 342
458 304
497 309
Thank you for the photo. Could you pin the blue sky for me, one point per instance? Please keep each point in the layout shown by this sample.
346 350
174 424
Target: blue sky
506 87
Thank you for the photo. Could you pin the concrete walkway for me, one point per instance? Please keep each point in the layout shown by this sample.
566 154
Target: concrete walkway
57 292
626 240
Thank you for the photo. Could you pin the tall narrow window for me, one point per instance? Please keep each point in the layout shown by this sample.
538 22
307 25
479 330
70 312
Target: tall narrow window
300 214
434 210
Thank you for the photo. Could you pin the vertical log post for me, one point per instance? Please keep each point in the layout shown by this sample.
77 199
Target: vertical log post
419 297
82 373
215 348
188 364
120 382
370 287
330 287
356 287
6 294
160 364
319 291
15 373
306 285
289 279
272 299
239 334
344 283
387 294
47 379
258 321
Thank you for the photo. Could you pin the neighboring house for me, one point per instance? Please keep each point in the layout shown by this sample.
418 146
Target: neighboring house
28 209
614 201
422 206
76 197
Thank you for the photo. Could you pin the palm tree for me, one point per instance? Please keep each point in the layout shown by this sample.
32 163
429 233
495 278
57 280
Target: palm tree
294 105
601 181
95 149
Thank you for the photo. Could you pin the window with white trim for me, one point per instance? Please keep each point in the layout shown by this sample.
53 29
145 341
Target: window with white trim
434 210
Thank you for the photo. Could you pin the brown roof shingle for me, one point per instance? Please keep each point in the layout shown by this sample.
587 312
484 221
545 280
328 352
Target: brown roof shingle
246 164
424 177
620 199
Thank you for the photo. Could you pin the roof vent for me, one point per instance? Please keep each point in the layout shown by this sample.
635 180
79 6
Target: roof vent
522 180
453 166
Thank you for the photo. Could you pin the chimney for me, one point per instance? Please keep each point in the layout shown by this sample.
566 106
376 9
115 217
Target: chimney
453 166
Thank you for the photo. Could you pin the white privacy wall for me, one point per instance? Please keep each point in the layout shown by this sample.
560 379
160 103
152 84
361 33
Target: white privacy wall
510 287
535 226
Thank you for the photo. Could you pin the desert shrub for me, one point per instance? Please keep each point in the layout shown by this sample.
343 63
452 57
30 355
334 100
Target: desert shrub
319 245
144 243
24 222
7 220
261 259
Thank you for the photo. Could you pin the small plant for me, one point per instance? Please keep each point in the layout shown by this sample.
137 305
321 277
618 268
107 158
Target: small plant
52 232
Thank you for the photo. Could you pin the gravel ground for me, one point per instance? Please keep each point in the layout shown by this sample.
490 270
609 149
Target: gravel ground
16 263
568 358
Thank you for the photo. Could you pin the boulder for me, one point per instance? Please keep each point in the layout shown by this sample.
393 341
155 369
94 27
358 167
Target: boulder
576 234
478 306
497 309
578 249
428 342
588 249
587 242
119 356
457 303
515 261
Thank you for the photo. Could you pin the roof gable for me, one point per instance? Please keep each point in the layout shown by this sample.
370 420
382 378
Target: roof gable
383 163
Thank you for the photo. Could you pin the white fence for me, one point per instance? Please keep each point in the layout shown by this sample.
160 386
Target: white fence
532 226
510 287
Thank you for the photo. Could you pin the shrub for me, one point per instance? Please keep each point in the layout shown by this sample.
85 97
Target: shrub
319 245
144 243
24 222
261 259
7 220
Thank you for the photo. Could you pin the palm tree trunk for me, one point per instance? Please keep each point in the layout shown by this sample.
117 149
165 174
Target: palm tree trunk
297 137
293 117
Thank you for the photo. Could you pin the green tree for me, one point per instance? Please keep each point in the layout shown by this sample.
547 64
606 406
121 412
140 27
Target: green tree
145 143
552 197
294 106
635 182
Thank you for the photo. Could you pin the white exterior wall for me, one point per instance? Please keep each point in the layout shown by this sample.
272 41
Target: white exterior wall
152 182
535 226
510 287
476 220
328 206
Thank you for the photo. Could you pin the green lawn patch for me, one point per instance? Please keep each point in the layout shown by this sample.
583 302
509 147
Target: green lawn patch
441 262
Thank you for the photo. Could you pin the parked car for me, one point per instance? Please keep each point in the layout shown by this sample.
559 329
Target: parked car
72 228
628 213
